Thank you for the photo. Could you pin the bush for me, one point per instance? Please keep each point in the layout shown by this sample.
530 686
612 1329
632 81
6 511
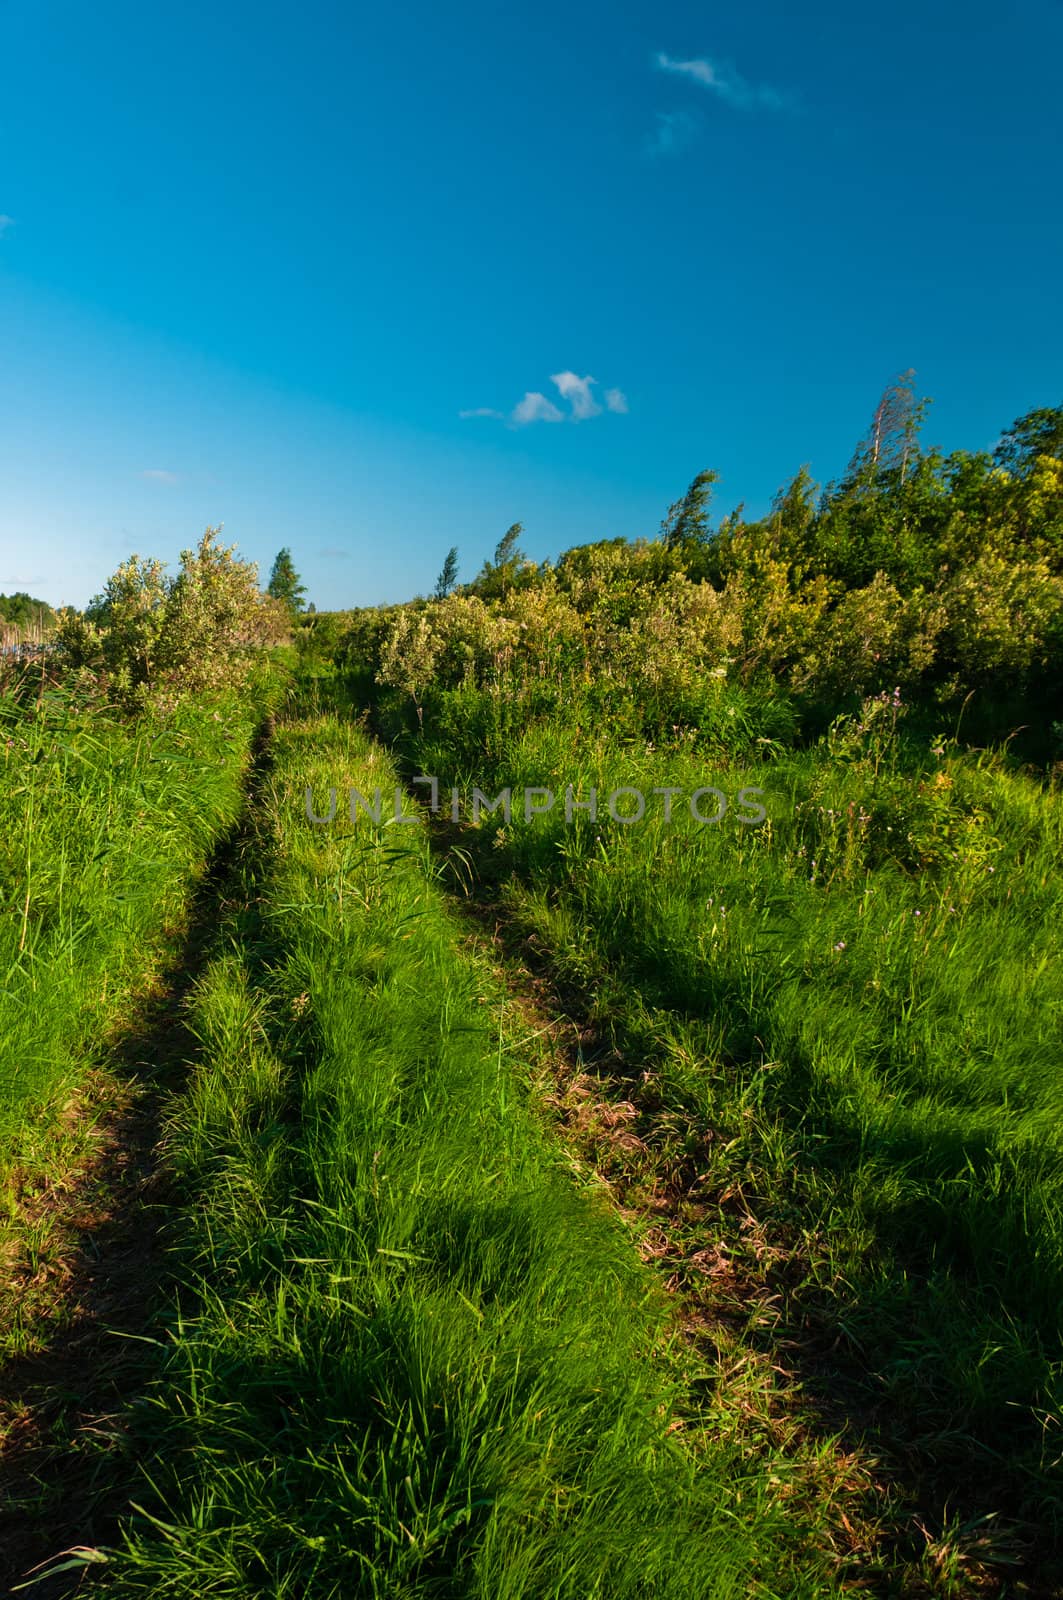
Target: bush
150 635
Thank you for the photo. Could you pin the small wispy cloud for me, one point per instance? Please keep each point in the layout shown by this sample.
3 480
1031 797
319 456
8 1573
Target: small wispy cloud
334 553
727 83
6 222
577 391
535 406
675 130
159 475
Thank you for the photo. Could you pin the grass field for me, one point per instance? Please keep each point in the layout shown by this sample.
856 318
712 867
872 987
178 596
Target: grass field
851 1013
551 1208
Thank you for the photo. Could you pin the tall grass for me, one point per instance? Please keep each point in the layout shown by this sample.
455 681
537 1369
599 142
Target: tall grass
858 1003
412 1355
104 822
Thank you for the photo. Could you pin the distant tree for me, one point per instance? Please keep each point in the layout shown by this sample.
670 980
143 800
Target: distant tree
687 521
892 441
1038 433
497 577
284 582
448 577
792 516
311 610
507 550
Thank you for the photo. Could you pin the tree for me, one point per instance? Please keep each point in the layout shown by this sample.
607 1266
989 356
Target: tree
185 634
448 577
1038 433
507 551
498 576
892 441
284 582
687 522
793 514
128 620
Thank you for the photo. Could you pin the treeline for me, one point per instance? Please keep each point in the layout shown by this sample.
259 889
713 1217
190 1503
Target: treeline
21 610
24 621
941 575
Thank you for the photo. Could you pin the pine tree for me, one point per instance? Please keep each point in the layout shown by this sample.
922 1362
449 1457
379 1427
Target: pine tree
284 582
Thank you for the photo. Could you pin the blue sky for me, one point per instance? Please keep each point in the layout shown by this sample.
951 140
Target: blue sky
256 261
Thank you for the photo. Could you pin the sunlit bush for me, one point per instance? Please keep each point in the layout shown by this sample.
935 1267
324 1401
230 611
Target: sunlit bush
149 634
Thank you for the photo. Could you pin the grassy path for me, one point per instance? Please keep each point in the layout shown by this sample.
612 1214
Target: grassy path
406 1347
355 1303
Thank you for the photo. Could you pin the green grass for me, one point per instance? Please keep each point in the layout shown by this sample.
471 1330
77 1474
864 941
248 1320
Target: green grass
104 824
854 1011
412 1353
408 1347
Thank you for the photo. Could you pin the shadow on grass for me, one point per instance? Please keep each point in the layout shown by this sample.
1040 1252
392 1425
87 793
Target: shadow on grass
67 1454
888 1358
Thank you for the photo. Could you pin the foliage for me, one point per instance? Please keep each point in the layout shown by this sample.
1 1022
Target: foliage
687 521
508 569
21 611
1038 433
891 444
151 634
942 574
284 584
448 575
317 636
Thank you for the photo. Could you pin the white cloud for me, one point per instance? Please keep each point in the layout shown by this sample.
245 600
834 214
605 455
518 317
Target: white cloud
6 222
727 82
675 130
159 475
535 407
577 391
